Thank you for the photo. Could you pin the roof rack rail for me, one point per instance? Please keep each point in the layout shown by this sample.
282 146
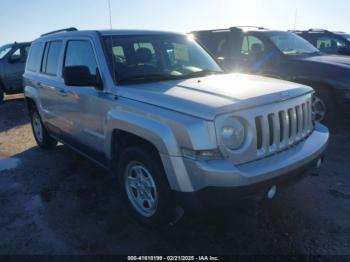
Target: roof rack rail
249 26
295 31
70 29
317 30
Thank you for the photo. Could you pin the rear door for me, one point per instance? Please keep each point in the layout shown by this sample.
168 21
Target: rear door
53 91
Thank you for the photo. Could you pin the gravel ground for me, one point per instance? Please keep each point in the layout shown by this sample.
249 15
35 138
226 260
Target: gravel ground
57 202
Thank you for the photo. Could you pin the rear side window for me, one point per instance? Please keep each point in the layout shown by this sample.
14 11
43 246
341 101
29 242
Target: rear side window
218 43
81 53
51 57
35 55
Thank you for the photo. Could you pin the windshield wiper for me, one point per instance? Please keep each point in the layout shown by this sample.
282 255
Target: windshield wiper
314 53
153 77
162 77
204 72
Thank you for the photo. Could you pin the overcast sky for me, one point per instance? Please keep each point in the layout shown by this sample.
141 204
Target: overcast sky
24 20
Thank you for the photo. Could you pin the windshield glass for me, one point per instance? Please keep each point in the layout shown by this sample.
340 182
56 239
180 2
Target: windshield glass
346 36
4 50
157 57
291 44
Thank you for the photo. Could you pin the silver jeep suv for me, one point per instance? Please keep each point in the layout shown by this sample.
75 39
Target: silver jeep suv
156 110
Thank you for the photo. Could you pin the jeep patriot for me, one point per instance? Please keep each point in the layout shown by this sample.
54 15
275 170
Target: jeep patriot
156 110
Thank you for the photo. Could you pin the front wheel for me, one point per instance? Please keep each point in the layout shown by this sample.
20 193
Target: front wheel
41 135
145 188
323 108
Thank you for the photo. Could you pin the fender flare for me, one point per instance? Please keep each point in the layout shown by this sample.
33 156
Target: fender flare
160 135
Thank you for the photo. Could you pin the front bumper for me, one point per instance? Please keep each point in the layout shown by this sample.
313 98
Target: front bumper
222 175
224 196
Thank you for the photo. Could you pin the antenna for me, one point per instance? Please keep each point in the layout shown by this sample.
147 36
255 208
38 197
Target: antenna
295 19
111 40
110 14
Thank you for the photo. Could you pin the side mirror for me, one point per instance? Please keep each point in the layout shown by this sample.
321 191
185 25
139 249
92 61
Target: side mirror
14 59
81 76
344 50
220 59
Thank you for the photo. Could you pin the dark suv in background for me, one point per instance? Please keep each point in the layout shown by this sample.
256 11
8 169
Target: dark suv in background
287 56
337 43
12 63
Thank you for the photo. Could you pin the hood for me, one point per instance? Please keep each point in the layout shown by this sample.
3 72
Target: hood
330 59
209 96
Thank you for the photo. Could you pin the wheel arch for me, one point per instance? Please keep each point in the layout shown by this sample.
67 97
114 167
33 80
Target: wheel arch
156 133
319 85
124 128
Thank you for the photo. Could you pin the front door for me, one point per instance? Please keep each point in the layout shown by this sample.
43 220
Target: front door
87 108
14 69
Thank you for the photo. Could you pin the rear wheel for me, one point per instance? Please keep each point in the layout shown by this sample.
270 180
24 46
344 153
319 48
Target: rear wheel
145 189
41 135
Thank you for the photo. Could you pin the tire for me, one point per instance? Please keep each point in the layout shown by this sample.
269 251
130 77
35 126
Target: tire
41 135
144 187
324 100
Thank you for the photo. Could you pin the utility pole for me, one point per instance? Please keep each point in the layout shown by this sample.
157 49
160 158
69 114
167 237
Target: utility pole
110 15
295 19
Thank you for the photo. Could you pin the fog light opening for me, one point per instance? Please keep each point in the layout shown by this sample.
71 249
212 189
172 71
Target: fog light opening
319 163
272 192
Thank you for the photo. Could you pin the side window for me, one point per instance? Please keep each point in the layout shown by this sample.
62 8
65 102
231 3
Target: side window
35 57
218 43
17 55
51 57
329 44
81 53
26 51
252 46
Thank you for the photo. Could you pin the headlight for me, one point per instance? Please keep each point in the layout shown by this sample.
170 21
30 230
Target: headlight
233 133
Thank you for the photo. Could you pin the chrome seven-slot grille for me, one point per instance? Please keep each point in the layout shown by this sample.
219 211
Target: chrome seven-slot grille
279 130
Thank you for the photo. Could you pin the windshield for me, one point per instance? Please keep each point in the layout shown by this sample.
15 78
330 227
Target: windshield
291 44
346 36
156 58
4 50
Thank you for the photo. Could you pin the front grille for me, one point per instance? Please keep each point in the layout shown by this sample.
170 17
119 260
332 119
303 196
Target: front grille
276 131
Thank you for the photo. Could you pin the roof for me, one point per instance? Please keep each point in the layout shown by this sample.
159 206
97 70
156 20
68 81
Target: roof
311 31
19 43
123 32
243 28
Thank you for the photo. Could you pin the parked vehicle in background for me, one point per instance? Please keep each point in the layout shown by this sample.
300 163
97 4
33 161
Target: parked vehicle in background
336 43
158 111
287 56
12 62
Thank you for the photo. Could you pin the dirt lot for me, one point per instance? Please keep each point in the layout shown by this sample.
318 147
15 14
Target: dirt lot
59 203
